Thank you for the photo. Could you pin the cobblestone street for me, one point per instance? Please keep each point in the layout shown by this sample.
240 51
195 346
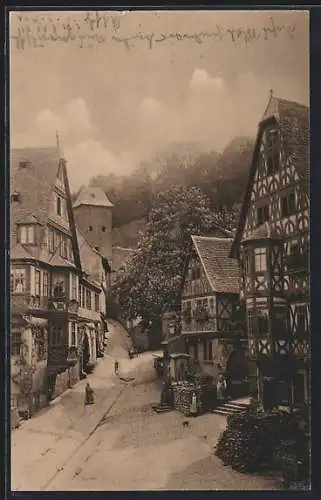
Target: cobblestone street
120 443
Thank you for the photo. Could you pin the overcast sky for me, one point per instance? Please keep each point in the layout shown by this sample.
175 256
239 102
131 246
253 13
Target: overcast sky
115 106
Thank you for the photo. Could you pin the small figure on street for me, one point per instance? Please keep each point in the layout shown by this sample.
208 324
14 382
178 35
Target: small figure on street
89 395
221 388
116 367
194 405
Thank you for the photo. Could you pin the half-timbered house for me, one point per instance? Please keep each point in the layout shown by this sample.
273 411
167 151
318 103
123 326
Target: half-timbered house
46 277
272 244
211 319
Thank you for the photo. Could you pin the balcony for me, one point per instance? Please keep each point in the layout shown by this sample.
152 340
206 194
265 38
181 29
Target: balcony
63 305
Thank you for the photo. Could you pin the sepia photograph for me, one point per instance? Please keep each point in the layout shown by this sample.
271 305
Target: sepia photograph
159 250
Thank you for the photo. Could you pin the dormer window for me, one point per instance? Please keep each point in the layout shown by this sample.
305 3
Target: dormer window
273 151
15 196
27 234
90 228
103 229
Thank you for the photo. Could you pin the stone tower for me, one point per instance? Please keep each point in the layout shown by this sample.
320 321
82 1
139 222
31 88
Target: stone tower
93 216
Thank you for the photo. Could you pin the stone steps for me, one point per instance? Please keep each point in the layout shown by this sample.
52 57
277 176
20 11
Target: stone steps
230 408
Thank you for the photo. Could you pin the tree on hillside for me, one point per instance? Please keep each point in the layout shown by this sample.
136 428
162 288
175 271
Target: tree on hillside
152 278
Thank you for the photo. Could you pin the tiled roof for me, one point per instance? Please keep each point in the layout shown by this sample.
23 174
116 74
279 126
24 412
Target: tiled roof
58 261
92 196
221 270
32 175
19 252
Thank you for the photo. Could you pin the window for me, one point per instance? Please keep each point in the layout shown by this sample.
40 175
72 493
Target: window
88 299
73 340
73 287
18 281
251 327
247 263
211 304
69 250
51 241
27 235
97 302
195 351
197 273
288 205
260 260
38 282
103 229
58 237
280 324
64 247
90 228
207 350
273 151
263 214
83 298
262 323
45 284
80 294
56 335
59 288
58 205
16 342
301 320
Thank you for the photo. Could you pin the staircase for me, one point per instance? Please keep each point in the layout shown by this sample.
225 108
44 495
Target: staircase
231 408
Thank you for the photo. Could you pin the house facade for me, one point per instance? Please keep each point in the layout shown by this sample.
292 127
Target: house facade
272 244
211 318
46 279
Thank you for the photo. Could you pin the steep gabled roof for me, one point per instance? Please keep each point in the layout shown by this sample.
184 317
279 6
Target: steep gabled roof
293 120
92 196
221 271
32 175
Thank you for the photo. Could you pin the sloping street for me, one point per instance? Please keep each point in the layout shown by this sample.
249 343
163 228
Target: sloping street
120 443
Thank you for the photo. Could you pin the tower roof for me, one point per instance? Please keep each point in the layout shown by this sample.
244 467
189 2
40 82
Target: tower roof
92 196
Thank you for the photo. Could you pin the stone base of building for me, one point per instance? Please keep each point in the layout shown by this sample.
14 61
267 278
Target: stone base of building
66 380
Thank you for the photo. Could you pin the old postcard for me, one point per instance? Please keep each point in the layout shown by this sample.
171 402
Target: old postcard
159 226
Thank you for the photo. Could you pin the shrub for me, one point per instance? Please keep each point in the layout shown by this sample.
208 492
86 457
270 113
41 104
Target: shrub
249 442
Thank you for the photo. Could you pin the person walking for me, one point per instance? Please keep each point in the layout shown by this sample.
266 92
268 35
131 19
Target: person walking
221 388
116 367
89 395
